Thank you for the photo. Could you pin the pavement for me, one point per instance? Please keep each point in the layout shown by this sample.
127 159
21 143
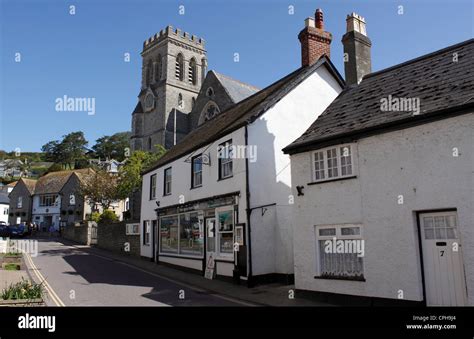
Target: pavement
79 275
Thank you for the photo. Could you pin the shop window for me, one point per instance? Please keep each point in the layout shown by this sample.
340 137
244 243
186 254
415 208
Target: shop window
169 234
191 237
225 230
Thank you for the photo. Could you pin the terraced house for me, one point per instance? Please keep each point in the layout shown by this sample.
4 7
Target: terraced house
389 166
218 201
21 201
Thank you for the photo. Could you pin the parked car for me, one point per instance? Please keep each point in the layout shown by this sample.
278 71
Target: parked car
5 231
18 231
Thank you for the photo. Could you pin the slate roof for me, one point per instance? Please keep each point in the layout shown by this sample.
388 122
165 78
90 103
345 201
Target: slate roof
237 90
242 113
29 184
54 181
437 81
4 199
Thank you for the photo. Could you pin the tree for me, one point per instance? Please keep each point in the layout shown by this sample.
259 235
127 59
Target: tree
130 174
65 152
100 188
112 147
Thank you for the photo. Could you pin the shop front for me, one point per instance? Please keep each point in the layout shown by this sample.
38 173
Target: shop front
199 235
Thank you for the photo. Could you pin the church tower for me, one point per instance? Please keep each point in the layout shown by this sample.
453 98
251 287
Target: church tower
174 65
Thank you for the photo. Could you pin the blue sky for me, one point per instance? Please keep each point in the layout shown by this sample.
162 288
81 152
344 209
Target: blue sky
82 55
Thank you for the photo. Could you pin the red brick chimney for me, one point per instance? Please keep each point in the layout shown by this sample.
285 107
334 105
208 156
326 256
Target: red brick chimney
315 41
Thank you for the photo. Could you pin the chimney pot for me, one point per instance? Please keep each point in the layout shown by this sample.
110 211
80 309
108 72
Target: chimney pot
319 19
315 41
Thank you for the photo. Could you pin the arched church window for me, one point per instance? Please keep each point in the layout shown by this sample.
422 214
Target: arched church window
210 92
149 70
158 68
179 69
193 103
203 69
192 71
149 143
180 101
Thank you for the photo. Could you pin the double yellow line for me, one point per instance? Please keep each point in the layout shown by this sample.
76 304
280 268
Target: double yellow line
42 280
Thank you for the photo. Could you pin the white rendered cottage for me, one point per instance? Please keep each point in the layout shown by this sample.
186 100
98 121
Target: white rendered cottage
223 194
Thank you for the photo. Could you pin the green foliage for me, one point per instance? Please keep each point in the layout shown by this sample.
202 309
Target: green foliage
22 290
108 216
54 168
95 216
100 188
130 174
11 267
112 147
65 152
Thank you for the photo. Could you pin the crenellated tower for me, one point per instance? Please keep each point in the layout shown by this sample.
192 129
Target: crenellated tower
174 64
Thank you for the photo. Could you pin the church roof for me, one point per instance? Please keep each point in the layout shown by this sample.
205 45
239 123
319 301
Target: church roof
243 113
236 89
440 84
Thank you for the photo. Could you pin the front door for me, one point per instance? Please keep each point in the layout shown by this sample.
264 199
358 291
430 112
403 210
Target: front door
442 259
211 241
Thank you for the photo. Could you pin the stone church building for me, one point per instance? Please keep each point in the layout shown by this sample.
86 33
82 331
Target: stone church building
177 93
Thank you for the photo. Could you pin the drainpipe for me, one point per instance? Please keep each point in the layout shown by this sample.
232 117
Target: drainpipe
249 212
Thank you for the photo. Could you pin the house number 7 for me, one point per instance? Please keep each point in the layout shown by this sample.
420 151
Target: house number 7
442 253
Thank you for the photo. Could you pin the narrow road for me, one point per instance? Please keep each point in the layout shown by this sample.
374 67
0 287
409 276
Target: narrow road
75 277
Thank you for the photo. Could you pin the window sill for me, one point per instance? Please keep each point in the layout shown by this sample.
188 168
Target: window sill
331 180
221 179
361 279
167 195
194 187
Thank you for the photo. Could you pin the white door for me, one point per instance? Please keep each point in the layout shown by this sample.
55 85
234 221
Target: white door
442 260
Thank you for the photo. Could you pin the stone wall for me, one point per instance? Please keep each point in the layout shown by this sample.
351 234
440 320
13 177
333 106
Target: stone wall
77 232
113 237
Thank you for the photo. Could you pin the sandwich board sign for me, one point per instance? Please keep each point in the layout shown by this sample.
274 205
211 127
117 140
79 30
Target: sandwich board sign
210 268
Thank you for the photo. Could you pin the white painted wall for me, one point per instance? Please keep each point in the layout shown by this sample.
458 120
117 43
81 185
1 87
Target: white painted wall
40 211
181 183
417 163
4 213
270 175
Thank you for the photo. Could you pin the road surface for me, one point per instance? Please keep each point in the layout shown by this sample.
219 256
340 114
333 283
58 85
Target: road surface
73 276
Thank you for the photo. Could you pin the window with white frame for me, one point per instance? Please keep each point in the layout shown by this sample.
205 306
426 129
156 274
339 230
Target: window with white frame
225 230
146 232
132 229
196 179
48 200
167 182
224 152
340 252
153 187
333 163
